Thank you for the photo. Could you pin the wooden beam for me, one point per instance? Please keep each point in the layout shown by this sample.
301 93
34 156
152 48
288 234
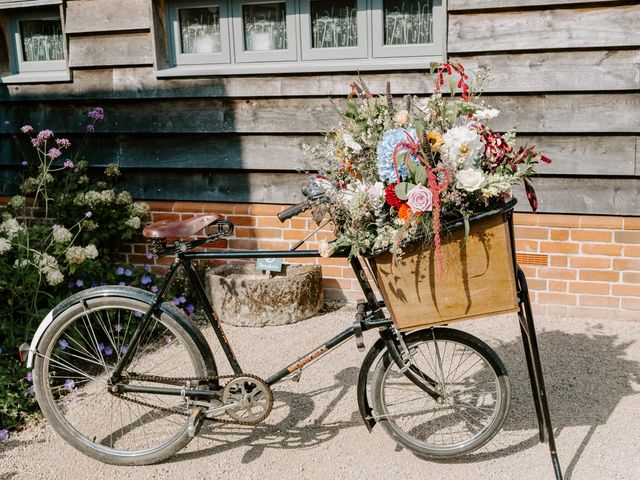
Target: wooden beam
458 5
110 50
96 16
596 27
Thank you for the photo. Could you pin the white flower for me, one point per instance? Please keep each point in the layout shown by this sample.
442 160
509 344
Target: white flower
5 246
351 143
133 222
325 249
487 114
76 255
46 262
91 251
107 196
495 185
402 117
376 191
124 198
18 201
470 179
461 144
61 234
10 227
139 209
54 277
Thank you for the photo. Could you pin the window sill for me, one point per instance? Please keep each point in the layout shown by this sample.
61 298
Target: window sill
309 66
37 77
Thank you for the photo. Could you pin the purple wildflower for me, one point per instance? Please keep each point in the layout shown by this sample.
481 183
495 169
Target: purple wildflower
31 390
100 347
68 163
123 349
108 351
24 163
128 272
70 285
1 350
145 279
54 153
4 435
63 142
41 138
90 128
97 114
121 283
63 344
119 271
154 289
149 255
118 328
79 283
190 309
137 314
30 377
88 214
26 129
181 300
69 384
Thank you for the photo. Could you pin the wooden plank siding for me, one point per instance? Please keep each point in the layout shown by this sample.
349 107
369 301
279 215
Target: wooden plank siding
566 72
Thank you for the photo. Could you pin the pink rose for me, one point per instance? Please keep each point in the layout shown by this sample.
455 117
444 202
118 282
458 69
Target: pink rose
420 199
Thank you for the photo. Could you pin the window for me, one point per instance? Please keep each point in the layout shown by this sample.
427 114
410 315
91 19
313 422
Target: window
37 47
272 36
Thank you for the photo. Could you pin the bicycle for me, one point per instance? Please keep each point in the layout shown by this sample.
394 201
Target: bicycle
102 382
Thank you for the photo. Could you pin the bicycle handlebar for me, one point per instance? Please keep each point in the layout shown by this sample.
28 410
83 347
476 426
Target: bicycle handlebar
294 210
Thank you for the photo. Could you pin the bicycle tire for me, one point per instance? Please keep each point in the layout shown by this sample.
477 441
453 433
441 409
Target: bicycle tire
476 400
75 358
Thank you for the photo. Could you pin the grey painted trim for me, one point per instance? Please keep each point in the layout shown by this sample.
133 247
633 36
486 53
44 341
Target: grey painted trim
7 4
37 77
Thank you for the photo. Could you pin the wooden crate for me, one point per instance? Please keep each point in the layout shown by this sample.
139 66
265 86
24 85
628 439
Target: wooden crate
477 278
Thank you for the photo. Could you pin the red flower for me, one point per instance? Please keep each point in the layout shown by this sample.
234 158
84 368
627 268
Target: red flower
391 197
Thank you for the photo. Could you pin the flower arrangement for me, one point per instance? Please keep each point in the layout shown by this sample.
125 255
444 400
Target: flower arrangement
394 173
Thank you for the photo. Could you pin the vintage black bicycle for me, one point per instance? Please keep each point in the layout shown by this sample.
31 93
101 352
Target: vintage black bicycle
104 383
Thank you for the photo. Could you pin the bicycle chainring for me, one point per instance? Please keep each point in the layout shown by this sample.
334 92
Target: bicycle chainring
253 397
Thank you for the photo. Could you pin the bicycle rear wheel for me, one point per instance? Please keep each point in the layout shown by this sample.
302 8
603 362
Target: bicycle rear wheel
75 359
471 380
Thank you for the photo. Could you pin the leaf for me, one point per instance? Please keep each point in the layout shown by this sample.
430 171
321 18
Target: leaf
352 110
401 158
419 125
421 175
402 190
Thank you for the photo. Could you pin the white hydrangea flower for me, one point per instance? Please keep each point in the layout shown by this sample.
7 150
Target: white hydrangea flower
46 263
76 255
18 201
21 263
461 144
139 209
11 227
107 196
133 222
487 114
91 251
124 198
5 246
61 234
54 277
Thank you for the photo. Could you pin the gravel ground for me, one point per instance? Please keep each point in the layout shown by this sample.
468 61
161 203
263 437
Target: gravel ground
593 379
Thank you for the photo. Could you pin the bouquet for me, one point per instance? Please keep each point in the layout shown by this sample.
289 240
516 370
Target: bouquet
393 173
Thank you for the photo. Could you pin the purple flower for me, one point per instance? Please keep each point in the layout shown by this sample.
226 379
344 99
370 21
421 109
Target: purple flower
54 153
1 350
121 283
154 289
41 138
145 279
190 309
145 267
100 346
63 344
128 273
181 299
108 350
68 163
119 271
118 328
97 114
149 255
31 390
79 283
123 349
90 128
30 377
26 129
137 314
69 384
88 214
4 435
168 339
24 163
63 142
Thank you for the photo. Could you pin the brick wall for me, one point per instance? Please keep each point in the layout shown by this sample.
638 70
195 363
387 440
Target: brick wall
579 266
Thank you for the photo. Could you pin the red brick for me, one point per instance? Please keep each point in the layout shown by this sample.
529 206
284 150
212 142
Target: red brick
627 237
559 234
626 290
532 233
336 283
242 208
587 312
529 271
172 217
632 250
299 223
590 287
590 262
602 249
194 207
631 303
626 264
558 261
536 284
242 220
295 234
556 298
597 221
559 247
599 275
631 277
557 273
557 286
331 271
599 301
546 220
329 236
523 245
602 236
219 208
243 244
271 222
160 206
274 245
632 223
525 219
266 209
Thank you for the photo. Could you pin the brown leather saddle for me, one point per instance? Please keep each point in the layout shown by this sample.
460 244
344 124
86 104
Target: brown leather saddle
180 229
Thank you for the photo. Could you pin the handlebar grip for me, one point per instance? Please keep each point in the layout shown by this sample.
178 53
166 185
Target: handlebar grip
293 211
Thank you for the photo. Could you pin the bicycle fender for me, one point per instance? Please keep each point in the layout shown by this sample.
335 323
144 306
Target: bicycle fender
124 292
366 412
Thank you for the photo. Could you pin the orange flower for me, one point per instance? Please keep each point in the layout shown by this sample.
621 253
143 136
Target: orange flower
405 212
435 139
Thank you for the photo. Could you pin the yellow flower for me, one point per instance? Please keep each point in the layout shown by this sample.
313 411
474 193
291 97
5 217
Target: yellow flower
435 139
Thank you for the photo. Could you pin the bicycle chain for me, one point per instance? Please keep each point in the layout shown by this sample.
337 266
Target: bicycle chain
161 379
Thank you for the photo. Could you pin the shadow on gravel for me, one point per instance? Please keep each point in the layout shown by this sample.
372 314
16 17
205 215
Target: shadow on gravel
291 432
586 376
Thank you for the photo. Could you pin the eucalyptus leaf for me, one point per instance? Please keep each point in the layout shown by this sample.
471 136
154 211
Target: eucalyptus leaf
402 190
421 175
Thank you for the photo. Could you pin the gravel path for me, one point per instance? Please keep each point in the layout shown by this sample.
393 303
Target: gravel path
593 378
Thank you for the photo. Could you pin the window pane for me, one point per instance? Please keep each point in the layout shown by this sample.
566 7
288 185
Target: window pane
200 30
265 26
41 40
408 22
333 23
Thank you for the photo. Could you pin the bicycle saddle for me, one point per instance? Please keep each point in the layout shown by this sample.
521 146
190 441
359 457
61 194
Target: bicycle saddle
180 229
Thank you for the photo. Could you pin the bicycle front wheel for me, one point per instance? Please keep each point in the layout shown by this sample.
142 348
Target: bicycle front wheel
473 387
75 359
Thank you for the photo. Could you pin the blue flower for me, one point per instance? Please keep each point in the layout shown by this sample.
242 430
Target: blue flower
63 344
119 271
1 350
145 279
79 283
69 384
121 283
128 273
108 350
190 309
149 255
154 289
386 147
4 435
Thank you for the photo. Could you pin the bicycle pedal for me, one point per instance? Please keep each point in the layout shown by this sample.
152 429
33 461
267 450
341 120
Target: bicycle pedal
193 420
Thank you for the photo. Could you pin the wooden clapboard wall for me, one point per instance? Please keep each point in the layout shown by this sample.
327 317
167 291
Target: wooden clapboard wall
566 72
